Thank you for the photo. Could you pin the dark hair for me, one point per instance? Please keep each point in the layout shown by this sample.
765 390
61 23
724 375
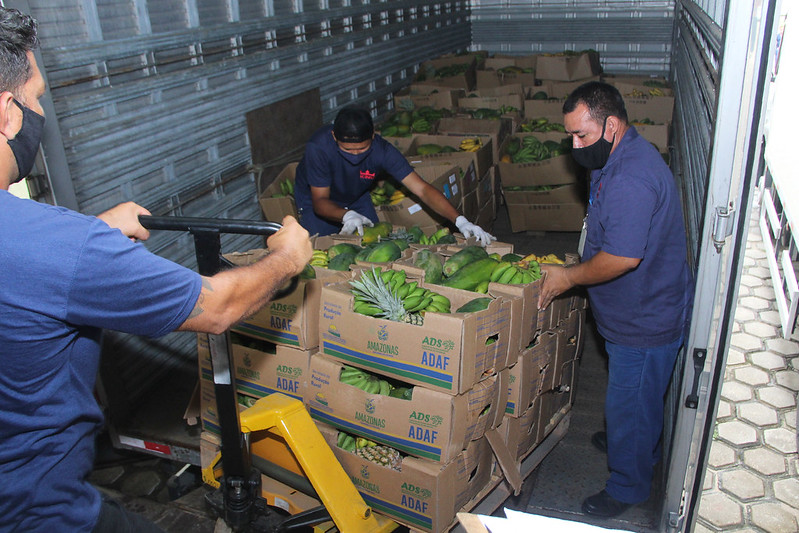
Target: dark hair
601 99
353 125
17 38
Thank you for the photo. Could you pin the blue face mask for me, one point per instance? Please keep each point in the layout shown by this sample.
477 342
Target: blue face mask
25 144
355 159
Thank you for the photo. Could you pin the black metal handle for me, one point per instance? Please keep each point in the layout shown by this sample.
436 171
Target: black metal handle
246 227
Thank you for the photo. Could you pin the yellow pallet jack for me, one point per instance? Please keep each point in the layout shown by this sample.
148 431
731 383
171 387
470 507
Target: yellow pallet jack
239 499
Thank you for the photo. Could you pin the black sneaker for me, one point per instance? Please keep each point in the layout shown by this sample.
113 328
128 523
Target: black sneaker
604 505
600 441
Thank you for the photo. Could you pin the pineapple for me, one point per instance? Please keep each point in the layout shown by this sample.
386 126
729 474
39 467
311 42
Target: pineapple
380 454
373 290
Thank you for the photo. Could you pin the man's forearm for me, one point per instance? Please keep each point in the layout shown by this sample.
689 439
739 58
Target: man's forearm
232 295
433 198
600 268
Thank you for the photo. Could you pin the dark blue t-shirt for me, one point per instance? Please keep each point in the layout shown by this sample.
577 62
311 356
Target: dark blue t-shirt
634 211
325 165
64 276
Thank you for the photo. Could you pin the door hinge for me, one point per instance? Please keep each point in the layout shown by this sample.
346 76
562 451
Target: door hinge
722 226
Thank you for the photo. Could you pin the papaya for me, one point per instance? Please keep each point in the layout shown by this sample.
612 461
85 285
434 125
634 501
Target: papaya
416 233
540 95
449 238
402 243
471 275
447 149
428 149
384 252
372 233
510 258
432 264
308 272
341 261
478 304
463 257
342 247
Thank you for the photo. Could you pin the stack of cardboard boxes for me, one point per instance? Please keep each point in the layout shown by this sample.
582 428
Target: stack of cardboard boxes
505 372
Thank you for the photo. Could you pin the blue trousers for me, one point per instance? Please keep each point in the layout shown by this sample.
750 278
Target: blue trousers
637 383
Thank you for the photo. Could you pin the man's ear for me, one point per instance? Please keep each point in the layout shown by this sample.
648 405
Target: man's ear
613 124
8 126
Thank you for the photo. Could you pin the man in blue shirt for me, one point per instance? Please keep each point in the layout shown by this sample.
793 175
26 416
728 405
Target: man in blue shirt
338 169
64 277
639 285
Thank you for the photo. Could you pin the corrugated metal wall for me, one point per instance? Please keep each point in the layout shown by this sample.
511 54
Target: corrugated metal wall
697 58
151 96
632 36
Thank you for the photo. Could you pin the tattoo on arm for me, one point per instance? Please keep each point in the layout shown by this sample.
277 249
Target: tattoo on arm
198 307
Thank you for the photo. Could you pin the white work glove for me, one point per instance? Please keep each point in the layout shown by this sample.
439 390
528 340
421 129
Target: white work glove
473 230
354 221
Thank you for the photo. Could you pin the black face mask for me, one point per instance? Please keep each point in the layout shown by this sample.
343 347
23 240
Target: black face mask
595 155
25 143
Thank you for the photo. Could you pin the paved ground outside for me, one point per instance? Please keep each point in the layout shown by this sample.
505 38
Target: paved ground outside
751 481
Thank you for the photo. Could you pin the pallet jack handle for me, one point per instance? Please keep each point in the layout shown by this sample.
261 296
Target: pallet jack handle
242 483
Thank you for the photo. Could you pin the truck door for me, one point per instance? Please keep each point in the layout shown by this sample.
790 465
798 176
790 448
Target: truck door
721 63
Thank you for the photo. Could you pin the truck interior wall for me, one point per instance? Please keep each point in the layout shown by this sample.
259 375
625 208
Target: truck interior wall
631 37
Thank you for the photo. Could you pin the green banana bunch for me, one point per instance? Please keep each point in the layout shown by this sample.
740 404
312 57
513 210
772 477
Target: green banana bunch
287 187
415 299
365 381
345 441
319 258
510 274
435 237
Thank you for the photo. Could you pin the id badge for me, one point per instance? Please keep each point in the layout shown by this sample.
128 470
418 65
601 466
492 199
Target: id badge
581 244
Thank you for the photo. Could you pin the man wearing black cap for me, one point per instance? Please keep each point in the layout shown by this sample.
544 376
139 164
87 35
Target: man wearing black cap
339 168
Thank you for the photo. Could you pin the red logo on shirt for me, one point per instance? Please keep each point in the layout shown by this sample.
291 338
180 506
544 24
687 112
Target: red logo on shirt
366 175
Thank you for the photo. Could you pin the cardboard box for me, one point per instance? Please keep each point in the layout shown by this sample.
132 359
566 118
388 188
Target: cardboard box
558 399
291 319
419 95
549 109
568 68
486 216
636 86
432 424
657 134
446 175
496 129
483 158
558 170
275 209
487 79
532 373
430 69
521 434
527 320
448 353
400 143
513 89
562 89
424 495
658 109
546 217
516 101
559 194
486 187
470 206
257 373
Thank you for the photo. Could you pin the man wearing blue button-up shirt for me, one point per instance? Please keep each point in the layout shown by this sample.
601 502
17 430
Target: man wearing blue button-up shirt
638 281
